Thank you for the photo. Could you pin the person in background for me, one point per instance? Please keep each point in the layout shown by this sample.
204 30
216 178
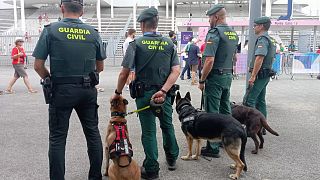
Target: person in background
172 36
318 52
40 19
186 59
201 59
130 35
292 47
245 48
193 57
18 59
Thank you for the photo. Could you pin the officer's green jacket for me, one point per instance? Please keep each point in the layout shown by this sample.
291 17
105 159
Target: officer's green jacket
265 46
159 50
221 43
74 48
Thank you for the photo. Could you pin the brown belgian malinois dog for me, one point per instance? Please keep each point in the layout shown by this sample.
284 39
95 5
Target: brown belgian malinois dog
117 145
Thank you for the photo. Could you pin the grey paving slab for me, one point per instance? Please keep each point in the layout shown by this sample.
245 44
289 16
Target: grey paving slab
293 107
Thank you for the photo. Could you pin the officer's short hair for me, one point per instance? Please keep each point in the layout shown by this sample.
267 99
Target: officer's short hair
266 26
131 31
152 22
73 7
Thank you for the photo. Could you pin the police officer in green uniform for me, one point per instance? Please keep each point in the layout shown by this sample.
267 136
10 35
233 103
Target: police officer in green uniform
76 52
157 67
260 66
221 42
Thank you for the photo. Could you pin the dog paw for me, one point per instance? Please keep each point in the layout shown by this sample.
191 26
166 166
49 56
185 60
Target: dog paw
194 157
260 147
254 152
185 158
232 166
233 176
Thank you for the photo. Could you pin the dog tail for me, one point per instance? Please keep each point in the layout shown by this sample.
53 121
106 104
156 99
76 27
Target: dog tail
242 151
267 127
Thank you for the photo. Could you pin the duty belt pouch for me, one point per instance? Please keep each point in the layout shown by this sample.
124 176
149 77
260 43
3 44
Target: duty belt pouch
86 82
272 73
136 89
263 73
94 76
47 89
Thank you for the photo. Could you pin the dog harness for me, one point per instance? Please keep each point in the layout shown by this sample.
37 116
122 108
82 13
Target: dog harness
121 146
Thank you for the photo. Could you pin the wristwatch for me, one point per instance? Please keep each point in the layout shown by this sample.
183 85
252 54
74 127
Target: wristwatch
202 82
165 92
118 93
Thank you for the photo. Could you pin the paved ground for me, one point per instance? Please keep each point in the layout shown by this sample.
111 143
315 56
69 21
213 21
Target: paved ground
293 108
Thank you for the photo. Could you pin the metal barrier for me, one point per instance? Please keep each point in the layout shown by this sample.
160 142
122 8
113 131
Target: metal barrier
290 64
307 63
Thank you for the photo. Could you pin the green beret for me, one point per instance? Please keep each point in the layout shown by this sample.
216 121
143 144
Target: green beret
147 14
262 20
75 1
214 9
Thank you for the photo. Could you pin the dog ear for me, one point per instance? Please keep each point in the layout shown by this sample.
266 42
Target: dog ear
178 96
188 96
125 102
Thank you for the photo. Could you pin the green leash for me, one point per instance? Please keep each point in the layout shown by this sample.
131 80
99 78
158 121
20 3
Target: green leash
138 110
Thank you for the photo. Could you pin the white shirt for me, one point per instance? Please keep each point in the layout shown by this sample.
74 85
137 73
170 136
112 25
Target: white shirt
126 44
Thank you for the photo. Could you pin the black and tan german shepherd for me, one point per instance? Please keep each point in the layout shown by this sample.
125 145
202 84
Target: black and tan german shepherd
198 125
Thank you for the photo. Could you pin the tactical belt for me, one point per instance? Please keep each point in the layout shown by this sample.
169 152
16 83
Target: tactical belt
261 69
71 80
221 71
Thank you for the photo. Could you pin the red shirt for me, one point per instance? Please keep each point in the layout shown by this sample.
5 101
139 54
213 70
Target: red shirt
318 51
18 60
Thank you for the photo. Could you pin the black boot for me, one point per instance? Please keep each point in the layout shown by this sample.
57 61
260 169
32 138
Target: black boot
171 164
148 175
209 152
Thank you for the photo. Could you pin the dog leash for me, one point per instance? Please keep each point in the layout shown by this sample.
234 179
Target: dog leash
138 110
201 105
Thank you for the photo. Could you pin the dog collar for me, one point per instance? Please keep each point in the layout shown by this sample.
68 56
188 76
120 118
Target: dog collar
115 113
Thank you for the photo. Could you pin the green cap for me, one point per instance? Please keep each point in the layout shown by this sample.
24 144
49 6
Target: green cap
147 14
75 1
214 9
262 20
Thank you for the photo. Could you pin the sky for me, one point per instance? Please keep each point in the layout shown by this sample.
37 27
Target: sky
313 9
